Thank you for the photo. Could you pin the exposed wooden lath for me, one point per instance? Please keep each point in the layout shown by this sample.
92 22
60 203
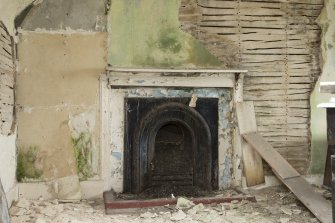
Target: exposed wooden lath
278 43
7 71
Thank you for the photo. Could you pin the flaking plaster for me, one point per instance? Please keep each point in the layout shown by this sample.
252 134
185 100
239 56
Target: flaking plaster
58 79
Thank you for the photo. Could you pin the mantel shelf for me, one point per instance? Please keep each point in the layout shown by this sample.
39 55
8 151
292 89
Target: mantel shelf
155 70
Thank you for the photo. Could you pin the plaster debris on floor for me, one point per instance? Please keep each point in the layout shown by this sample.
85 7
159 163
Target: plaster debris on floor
275 204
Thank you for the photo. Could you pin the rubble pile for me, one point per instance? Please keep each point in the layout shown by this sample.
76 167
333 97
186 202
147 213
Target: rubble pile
273 205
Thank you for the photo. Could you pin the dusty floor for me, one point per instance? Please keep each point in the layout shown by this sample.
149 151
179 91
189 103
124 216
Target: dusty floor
274 204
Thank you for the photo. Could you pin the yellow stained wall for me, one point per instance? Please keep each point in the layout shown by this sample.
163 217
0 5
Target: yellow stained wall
58 78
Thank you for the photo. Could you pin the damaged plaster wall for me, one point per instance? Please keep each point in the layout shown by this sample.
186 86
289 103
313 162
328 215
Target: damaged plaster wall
58 78
61 55
8 166
318 115
9 9
147 33
64 14
278 43
191 19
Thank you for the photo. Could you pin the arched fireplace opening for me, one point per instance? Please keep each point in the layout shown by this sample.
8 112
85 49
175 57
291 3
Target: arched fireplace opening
168 143
172 162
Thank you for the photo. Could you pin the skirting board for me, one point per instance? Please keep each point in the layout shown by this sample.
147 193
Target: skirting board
12 195
44 190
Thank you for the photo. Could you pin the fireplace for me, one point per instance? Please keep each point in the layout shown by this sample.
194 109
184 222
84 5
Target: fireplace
167 142
155 134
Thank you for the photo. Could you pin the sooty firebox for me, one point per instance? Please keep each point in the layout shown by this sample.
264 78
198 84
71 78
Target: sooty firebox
169 143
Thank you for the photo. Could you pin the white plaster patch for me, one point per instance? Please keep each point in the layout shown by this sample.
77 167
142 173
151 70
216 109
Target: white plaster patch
8 161
27 109
85 123
82 123
116 140
67 188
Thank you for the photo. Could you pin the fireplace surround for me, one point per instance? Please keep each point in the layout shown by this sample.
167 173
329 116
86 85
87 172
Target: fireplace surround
152 136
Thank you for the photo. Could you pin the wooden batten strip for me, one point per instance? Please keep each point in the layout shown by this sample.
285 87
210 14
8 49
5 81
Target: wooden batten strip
253 165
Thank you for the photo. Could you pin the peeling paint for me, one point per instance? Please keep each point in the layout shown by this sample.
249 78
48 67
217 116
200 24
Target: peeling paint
117 155
82 123
226 177
224 128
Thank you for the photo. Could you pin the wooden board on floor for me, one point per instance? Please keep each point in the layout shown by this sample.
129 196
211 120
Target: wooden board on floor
317 204
252 161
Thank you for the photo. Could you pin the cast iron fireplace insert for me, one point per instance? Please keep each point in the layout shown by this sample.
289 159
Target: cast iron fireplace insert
169 143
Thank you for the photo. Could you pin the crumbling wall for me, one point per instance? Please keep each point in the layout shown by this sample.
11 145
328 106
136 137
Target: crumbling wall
62 52
278 42
61 55
58 79
9 10
7 118
64 14
224 49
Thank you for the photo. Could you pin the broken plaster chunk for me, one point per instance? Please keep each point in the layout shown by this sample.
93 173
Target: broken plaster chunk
296 211
178 216
40 220
148 215
183 203
193 101
68 188
284 220
286 211
23 203
18 212
199 207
